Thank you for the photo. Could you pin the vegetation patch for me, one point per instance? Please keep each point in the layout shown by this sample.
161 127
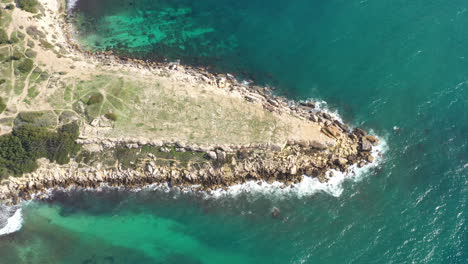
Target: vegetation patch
35 33
10 7
16 55
30 53
29 5
96 98
111 116
129 158
2 105
46 44
3 36
20 149
38 119
68 116
26 66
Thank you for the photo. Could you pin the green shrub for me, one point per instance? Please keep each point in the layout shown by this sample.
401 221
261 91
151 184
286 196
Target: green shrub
95 99
20 149
28 5
20 35
3 36
16 55
30 53
31 43
13 39
46 44
10 7
26 66
111 116
35 33
37 119
2 105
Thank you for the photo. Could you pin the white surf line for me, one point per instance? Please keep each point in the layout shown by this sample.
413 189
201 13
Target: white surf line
309 185
14 223
71 4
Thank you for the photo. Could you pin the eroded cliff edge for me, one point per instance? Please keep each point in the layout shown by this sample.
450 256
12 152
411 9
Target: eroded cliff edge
143 122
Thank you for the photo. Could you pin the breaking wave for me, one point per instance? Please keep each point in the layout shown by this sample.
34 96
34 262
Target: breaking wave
309 185
13 223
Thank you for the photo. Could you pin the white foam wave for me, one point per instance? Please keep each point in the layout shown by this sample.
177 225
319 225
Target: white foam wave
308 186
14 223
71 4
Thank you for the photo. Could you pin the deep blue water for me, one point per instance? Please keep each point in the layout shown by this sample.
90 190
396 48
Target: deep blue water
379 63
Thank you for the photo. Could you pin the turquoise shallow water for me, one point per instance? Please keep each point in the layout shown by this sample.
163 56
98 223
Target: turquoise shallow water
380 64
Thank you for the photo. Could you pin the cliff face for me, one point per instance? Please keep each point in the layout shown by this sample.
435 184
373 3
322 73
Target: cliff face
145 122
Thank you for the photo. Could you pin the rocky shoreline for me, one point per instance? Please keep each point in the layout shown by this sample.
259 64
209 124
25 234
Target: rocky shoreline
222 167
216 166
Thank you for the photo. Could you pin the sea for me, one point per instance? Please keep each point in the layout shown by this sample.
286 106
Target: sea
397 68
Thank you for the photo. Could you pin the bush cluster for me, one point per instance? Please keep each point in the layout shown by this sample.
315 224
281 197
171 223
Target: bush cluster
10 7
20 149
2 105
111 116
26 66
28 5
3 36
95 99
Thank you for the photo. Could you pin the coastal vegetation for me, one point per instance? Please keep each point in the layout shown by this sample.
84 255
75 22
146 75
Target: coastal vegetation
2 105
20 149
28 5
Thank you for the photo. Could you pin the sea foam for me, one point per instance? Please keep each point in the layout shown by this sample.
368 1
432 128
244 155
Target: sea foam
14 223
71 4
308 186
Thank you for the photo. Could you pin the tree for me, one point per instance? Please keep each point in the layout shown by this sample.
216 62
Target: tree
20 149
28 5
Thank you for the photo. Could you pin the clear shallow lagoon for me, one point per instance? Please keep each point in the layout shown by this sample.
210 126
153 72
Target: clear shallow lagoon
380 64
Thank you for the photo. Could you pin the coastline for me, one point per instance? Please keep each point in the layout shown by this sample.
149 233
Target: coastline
336 147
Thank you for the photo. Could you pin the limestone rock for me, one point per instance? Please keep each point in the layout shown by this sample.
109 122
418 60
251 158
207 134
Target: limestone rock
366 145
317 145
212 155
373 140
221 155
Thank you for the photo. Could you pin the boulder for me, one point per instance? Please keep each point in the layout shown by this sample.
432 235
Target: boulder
333 130
344 127
361 164
293 170
165 149
373 140
313 118
308 104
326 116
341 161
212 155
360 132
366 145
221 155
317 145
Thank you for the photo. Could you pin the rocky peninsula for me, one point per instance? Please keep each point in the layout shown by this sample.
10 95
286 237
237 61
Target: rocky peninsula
143 123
